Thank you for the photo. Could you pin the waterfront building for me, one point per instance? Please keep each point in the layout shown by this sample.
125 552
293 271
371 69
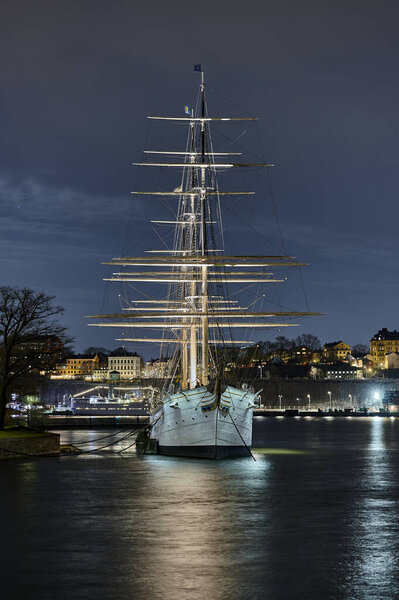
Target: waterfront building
159 368
100 374
392 360
341 371
390 400
48 349
382 343
336 351
354 361
48 344
77 367
129 365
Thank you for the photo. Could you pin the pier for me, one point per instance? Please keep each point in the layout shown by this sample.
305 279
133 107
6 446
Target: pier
294 411
55 422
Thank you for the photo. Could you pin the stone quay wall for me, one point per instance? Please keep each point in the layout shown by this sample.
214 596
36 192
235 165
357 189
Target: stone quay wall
47 444
363 392
344 393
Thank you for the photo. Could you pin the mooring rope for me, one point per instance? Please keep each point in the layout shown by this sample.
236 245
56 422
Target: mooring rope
242 439
107 445
127 447
104 436
15 452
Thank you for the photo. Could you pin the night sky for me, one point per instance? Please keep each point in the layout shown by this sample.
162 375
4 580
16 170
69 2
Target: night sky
78 80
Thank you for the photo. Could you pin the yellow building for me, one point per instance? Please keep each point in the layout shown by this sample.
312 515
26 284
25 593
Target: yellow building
382 343
336 351
77 366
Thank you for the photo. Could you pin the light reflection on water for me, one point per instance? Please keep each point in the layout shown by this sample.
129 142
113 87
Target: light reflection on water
314 517
375 525
198 529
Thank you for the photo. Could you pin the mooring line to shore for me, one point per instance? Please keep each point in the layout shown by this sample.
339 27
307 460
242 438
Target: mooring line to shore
136 431
103 437
107 445
15 452
127 447
93 450
242 439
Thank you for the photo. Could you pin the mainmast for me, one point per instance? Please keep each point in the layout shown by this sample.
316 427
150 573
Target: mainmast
192 377
205 332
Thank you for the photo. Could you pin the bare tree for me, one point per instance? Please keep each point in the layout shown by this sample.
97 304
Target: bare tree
360 349
309 341
31 339
96 350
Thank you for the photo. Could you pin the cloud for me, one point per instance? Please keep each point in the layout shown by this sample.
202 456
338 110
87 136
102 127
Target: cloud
37 221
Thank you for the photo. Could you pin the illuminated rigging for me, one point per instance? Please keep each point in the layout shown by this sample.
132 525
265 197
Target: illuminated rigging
196 310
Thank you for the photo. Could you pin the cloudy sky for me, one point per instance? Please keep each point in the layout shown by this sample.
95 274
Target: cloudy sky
78 79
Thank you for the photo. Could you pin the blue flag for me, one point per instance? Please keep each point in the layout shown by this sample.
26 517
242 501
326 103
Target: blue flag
197 68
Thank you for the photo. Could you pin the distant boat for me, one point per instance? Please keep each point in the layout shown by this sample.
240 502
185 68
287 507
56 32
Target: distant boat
136 400
205 417
117 407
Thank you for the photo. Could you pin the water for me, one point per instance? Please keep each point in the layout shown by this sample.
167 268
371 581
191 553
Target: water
315 517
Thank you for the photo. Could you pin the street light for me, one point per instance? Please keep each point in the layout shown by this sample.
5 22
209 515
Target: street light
350 399
329 397
308 397
280 397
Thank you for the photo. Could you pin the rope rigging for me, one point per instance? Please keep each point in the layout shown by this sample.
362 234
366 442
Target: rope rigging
199 340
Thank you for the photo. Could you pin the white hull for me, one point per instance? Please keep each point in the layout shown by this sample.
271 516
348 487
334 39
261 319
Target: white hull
191 424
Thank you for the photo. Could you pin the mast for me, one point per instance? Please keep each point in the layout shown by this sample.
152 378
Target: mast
205 331
187 242
193 329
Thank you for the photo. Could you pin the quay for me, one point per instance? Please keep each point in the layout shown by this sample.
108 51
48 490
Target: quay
55 422
18 442
89 422
270 411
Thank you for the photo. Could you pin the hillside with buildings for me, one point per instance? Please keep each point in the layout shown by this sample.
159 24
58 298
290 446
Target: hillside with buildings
302 357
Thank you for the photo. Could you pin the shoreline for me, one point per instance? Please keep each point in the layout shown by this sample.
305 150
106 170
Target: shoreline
22 442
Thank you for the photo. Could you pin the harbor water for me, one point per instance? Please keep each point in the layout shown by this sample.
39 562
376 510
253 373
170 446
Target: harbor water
315 516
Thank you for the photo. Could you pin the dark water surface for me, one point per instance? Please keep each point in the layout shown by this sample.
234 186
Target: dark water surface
316 516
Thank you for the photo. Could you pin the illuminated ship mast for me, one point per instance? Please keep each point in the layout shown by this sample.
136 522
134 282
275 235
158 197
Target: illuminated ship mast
195 313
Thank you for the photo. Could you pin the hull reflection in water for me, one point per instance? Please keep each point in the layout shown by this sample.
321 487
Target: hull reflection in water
195 424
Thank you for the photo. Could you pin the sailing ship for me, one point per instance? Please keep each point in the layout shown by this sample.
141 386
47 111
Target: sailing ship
206 416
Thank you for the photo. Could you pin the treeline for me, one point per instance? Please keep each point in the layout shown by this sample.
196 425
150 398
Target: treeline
301 349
